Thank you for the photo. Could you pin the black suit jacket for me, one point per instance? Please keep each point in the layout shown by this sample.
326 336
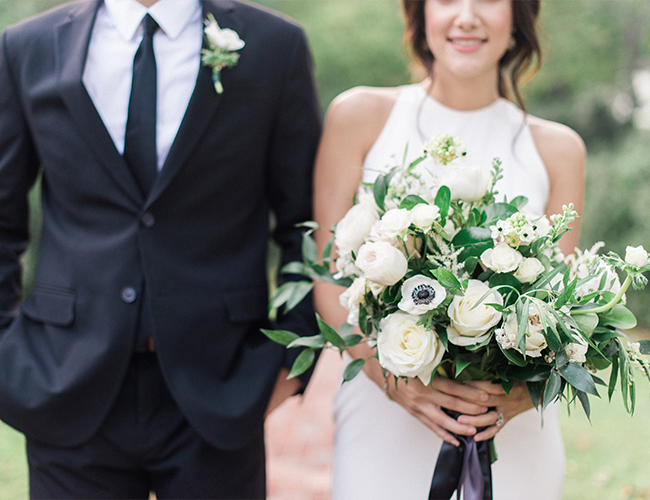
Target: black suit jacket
198 242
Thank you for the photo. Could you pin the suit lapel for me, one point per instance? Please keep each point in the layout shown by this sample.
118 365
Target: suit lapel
72 40
201 108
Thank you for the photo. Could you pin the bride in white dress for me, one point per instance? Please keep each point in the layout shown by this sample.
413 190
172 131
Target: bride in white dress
474 52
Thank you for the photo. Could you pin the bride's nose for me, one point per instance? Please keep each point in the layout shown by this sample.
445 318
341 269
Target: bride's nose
467 17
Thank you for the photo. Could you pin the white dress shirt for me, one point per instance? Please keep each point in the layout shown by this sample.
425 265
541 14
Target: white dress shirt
108 71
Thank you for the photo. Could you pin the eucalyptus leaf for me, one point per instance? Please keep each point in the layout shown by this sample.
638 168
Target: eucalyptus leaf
352 369
460 365
329 333
619 317
552 389
314 342
584 401
587 323
352 339
300 291
446 278
474 240
579 378
293 268
535 391
309 249
283 337
302 363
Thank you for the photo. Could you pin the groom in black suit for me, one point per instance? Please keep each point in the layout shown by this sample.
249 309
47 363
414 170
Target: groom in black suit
137 363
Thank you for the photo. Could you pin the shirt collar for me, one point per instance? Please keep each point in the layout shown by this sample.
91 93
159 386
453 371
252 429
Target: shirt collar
171 15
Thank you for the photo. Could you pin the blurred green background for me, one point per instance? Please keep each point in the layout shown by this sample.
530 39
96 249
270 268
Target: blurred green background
595 78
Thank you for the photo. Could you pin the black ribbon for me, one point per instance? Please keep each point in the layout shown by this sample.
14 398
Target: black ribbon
466 468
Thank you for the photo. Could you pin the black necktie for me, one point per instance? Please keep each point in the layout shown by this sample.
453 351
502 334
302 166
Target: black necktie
140 142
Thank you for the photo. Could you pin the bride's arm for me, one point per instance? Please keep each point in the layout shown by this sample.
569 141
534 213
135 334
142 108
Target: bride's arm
352 125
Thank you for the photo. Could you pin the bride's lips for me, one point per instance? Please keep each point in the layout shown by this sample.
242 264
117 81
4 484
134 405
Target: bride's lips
467 44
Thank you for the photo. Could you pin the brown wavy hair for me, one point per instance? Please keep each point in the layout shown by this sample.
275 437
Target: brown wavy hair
515 63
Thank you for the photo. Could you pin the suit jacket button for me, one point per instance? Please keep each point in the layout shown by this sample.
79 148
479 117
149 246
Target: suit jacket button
148 219
128 295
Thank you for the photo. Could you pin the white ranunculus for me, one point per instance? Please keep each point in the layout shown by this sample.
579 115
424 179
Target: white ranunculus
353 228
501 259
529 270
421 294
470 322
636 256
408 349
577 350
225 39
345 266
467 182
382 263
535 340
395 223
352 297
424 215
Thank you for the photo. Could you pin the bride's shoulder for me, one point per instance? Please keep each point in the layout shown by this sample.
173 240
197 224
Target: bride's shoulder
361 113
558 145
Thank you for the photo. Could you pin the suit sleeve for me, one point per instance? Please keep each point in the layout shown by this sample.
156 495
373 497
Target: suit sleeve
295 139
18 169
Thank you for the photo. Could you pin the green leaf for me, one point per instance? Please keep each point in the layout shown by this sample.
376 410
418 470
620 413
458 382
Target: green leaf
443 201
446 278
411 201
613 375
553 388
535 392
314 342
353 369
300 291
579 378
515 357
302 363
283 337
474 240
587 323
329 333
519 202
309 249
619 317
584 400
498 211
461 364
293 268
352 339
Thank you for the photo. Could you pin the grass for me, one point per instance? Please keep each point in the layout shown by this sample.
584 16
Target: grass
13 465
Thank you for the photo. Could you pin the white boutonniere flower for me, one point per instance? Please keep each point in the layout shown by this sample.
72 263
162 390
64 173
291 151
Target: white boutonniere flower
223 45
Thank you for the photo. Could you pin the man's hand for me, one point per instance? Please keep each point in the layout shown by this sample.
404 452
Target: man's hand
283 389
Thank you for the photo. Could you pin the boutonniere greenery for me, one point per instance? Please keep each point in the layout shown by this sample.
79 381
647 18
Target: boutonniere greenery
223 45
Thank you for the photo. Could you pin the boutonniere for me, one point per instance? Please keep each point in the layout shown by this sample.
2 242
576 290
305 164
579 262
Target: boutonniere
221 52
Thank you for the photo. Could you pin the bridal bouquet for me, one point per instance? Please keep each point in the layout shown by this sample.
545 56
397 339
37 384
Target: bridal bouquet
447 281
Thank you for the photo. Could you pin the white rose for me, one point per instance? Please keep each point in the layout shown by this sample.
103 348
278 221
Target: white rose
466 182
529 270
394 223
470 323
535 340
353 228
636 256
577 351
406 348
352 297
382 263
225 39
501 258
421 294
424 215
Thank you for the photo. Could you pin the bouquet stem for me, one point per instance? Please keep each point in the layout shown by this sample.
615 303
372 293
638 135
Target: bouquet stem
610 304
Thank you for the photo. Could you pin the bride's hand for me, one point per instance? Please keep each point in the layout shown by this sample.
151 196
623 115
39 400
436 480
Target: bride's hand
507 406
424 402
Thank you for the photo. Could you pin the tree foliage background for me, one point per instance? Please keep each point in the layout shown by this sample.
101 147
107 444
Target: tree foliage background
593 52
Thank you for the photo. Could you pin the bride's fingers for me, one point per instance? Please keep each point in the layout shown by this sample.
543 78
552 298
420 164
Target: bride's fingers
459 405
443 425
464 391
